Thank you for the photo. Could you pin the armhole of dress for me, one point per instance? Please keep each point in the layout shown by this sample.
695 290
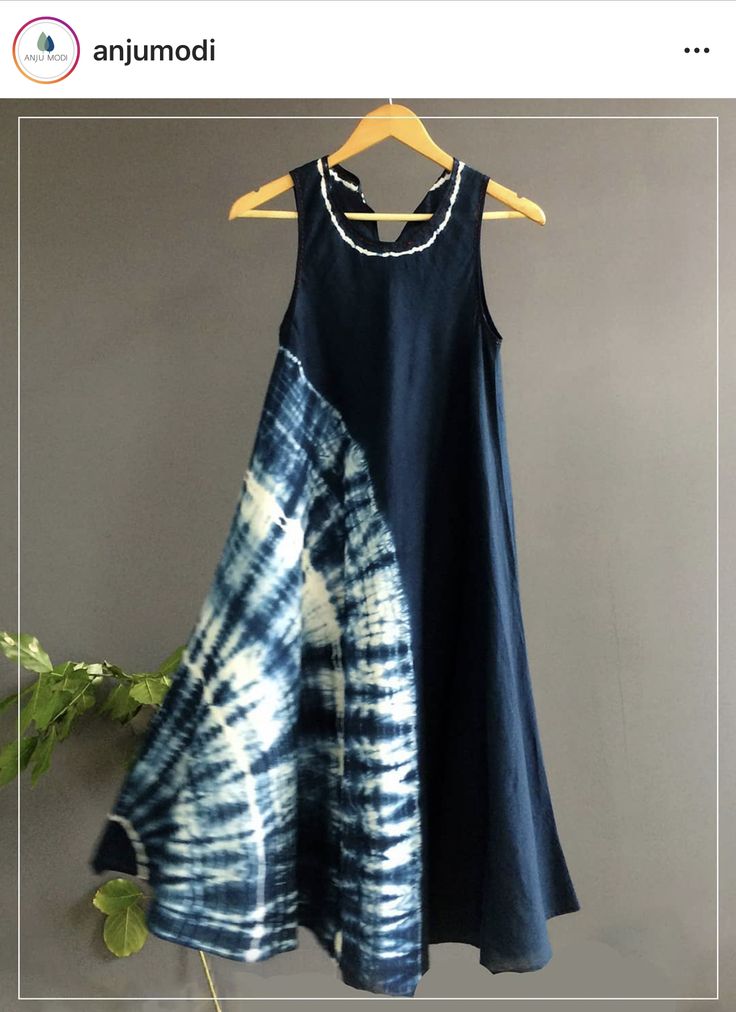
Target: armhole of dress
485 312
300 227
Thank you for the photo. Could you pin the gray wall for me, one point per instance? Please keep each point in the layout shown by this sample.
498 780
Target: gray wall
149 327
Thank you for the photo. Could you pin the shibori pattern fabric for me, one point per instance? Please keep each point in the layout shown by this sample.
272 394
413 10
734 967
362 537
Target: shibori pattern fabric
350 743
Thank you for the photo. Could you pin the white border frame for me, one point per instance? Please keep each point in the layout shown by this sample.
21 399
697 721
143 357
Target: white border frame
351 118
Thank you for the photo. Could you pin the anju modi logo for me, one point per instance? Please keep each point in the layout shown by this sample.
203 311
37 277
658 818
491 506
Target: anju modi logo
46 50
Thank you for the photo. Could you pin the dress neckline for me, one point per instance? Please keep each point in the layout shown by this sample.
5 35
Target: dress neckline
414 236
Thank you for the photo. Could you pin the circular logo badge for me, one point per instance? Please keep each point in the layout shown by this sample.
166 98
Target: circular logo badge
46 50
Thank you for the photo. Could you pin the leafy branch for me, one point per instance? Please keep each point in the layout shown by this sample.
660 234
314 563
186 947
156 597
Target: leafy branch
63 692
54 701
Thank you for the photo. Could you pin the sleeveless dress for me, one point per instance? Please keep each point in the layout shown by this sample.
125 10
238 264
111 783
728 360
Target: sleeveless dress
350 742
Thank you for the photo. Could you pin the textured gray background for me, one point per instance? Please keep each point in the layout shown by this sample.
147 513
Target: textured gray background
148 331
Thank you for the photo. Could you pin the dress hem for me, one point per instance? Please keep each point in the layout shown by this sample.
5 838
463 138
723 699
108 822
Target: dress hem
171 927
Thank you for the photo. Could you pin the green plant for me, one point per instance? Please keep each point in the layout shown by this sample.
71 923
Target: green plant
53 702
62 693
59 695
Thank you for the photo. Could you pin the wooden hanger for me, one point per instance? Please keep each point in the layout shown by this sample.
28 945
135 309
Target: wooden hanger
396 121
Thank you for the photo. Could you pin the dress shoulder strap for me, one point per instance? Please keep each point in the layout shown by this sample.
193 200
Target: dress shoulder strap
308 201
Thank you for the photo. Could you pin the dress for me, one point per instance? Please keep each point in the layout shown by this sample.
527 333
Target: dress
350 742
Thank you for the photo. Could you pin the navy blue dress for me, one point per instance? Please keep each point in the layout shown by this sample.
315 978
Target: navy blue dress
350 743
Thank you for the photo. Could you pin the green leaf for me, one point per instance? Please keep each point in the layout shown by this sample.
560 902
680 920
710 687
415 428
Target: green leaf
149 690
70 676
9 758
125 931
119 705
39 693
27 748
9 761
71 680
117 894
5 703
95 669
115 670
28 649
52 704
64 726
42 754
172 662
44 703
86 701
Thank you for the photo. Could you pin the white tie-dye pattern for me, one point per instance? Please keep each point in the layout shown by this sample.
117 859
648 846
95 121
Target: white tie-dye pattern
295 700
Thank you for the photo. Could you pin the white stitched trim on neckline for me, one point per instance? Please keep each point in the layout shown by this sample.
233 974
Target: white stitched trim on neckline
440 181
390 253
346 182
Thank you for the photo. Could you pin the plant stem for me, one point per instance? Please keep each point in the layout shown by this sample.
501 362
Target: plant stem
92 681
208 975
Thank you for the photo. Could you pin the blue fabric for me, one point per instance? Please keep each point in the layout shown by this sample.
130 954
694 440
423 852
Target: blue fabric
350 743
